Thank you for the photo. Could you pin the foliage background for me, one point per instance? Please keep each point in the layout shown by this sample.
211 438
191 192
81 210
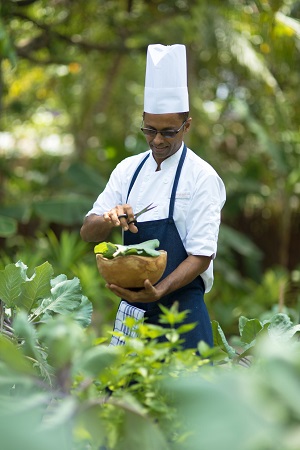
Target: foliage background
71 100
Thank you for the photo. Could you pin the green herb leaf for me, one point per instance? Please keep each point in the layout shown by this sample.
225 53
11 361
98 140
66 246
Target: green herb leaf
109 250
106 249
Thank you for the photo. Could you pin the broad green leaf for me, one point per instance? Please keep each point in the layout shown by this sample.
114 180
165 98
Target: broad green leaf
149 434
59 279
26 331
7 48
35 402
11 280
96 359
16 376
17 211
86 178
215 354
221 341
280 323
68 210
240 243
61 414
13 358
250 330
146 248
247 350
138 430
248 347
281 327
23 268
242 322
63 337
107 249
83 314
65 297
204 406
30 346
8 226
38 287
292 331
88 421
21 424
110 251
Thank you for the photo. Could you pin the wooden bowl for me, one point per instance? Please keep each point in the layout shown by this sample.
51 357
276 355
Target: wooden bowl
132 270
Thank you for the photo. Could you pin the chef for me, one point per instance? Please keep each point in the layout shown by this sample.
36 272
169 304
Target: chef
186 190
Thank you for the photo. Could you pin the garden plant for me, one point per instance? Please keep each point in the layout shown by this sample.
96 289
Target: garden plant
71 96
62 386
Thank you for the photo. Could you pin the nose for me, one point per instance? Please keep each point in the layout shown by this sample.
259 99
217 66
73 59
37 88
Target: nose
158 138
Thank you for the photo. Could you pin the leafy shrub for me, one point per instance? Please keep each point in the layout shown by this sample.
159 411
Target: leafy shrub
63 387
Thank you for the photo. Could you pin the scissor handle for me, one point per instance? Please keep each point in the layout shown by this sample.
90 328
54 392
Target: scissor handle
146 209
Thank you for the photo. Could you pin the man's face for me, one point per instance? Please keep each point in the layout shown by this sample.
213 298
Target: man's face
163 147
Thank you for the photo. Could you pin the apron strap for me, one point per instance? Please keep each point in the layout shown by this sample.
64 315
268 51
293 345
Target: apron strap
137 171
176 180
175 184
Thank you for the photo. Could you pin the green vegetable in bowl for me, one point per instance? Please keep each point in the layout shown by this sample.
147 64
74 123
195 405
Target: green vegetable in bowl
110 251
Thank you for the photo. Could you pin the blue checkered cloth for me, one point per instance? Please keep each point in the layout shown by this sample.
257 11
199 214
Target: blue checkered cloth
126 310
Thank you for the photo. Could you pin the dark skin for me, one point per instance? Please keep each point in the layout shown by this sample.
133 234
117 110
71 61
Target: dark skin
98 228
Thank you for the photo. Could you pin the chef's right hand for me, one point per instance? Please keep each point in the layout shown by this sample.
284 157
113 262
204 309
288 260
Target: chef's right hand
120 216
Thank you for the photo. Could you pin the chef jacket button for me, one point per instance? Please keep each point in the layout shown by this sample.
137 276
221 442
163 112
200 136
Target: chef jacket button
166 180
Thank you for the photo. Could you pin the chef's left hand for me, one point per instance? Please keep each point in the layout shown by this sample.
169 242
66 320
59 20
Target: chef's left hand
146 295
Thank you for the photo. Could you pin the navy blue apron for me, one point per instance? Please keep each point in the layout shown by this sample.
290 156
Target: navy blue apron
190 297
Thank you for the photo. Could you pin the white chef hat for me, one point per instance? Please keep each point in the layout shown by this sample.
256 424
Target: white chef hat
166 80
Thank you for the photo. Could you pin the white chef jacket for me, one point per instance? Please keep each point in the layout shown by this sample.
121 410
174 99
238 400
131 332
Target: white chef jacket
200 197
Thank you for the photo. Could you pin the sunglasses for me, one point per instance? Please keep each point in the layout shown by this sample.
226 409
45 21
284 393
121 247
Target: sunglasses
167 134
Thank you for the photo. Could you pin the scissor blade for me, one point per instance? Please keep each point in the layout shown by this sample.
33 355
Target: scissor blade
147 208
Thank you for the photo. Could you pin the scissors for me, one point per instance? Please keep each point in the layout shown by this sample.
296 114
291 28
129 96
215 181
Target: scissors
146 209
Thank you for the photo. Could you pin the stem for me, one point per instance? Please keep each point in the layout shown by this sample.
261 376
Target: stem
281 296
33 316
7 333
1 88
2 312
8 327
63 379
84 385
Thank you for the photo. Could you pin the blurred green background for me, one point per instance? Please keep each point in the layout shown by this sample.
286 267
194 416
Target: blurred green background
71 103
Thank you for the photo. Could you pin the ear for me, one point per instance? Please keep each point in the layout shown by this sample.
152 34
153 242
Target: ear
187 125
